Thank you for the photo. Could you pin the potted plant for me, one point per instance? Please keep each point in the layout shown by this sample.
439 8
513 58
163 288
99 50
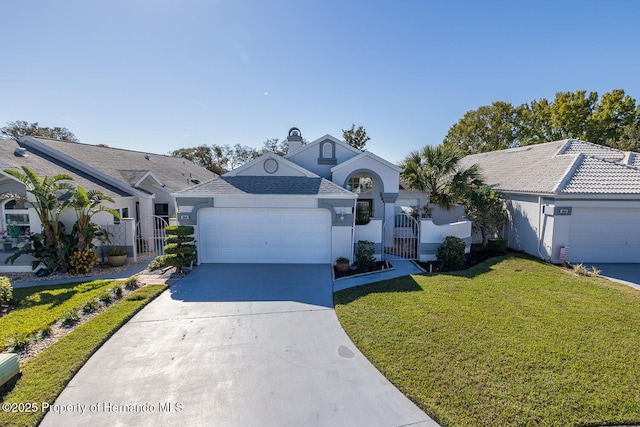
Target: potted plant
342 264
14 231
117 256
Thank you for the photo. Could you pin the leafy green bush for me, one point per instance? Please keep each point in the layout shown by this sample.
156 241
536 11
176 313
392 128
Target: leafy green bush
70 318
117 291
450 254
106 297
157 262
6 290
117 251
90 306
365 258
497 245
20 342
180 251
131 283
45 332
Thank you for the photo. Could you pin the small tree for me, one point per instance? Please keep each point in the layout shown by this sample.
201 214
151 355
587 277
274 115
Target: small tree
485 208
357 138
179 249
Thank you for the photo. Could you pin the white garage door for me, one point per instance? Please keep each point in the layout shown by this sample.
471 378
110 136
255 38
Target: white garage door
604 235
262 235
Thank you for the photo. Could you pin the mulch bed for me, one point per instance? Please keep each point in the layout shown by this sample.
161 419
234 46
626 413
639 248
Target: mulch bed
353 271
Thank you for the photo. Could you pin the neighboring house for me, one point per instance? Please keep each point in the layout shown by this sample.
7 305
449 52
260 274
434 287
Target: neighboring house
140 183
572 196
301 208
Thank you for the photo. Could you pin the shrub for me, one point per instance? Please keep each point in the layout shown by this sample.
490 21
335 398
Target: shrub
116 291
157 262
497 245
70 318
117 251
82 261
450 254
90 306
106 297
6 290
365 258
595 271
45 332
580 269
20 342
131 283
180 251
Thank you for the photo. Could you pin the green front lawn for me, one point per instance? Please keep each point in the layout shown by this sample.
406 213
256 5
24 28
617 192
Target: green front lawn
510 342
46 375
39 306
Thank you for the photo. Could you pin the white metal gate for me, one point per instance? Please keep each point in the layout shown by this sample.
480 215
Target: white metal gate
150 235
401 236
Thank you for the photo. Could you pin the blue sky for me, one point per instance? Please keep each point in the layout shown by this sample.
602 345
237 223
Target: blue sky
157 75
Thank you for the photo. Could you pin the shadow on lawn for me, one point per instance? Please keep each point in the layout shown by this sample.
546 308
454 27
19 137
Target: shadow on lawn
47 295
409 284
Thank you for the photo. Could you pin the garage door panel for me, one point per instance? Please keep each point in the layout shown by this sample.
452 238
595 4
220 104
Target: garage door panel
604 235
236 235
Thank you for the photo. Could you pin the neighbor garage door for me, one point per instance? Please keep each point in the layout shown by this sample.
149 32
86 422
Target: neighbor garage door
262 235
604 235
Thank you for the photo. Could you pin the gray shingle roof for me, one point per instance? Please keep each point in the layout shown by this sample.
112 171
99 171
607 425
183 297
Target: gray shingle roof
283 185
128 166
560 167
45 166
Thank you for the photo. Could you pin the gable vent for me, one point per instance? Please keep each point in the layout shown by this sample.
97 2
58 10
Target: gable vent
20 152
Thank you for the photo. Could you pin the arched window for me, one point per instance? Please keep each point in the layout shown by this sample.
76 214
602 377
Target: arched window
361 183
327 150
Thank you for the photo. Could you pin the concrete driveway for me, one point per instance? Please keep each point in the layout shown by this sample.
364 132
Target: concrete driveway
629 274
235 345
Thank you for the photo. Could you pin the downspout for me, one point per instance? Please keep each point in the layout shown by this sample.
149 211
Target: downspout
353 228
540 225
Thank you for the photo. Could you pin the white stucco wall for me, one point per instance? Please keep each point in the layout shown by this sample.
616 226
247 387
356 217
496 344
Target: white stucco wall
341 243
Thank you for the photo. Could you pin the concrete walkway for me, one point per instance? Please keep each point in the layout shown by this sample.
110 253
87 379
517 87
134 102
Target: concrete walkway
235 345
401 267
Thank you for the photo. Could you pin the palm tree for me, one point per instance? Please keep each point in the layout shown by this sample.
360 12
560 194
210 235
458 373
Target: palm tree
437 170
49 200
47 193
86 204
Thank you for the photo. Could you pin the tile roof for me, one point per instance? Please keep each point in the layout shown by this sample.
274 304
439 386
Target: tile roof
560 167
575 146
597 176
128 166
282 185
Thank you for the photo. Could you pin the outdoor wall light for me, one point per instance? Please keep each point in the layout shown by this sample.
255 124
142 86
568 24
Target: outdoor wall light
341 211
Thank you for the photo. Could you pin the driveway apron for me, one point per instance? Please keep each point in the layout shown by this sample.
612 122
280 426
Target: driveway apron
235 345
